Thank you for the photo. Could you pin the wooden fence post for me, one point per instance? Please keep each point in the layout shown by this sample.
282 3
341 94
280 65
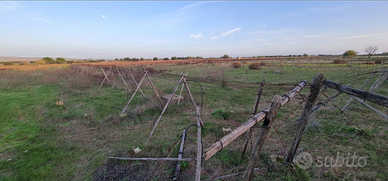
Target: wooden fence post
249 132
178 167
315 88
270 117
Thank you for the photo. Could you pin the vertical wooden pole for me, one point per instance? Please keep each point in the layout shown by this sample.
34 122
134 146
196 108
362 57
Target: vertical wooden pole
269 119
134 80
315 88
253 114
164 109
133 95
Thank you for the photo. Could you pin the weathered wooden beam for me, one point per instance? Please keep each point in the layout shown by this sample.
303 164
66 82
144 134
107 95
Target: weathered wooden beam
153 159
199 151
315 88
248 137
178 166
256 151
370 107
106 76
227 139
375 98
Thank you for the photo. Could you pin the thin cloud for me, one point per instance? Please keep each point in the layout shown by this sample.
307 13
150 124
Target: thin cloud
262 27
10 6
199 35
359 36
226 33
312 36
274 31
258 39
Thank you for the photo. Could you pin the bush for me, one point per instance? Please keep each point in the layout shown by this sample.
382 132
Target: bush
221 114
254 66
236 65
339 61
263 64
8 63
378 62
41 62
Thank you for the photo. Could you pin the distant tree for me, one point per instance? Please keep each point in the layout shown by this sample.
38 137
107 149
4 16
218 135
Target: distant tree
116 59
370 50
173 58
127 59
226 56
141 59
305 55
60 60
349 53
48 60
155 58
198 57
166 58
135 59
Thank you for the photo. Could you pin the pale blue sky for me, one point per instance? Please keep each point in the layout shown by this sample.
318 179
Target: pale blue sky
183 28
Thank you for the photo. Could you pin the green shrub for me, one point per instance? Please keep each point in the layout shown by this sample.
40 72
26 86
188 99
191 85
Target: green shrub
8 63
221 114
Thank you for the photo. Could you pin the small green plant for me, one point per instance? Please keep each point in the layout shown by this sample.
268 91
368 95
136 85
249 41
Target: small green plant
184 165
221 114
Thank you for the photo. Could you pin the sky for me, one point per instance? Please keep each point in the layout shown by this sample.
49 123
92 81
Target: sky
118 29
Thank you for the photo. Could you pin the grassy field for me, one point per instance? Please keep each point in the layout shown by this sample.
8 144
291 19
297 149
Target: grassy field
42 141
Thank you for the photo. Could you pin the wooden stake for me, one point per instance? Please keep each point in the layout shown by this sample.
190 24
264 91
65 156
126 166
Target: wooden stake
178 167
270 118
227 139
134 80
180 94
253 114
315 88
198 116
165 107
133 95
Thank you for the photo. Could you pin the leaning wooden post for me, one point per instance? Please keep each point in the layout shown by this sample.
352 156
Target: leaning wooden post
105 78
134 80
198 115
178 167
249 132
156 92
133 95
269 119
180 94
122 78
164 109
315 88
